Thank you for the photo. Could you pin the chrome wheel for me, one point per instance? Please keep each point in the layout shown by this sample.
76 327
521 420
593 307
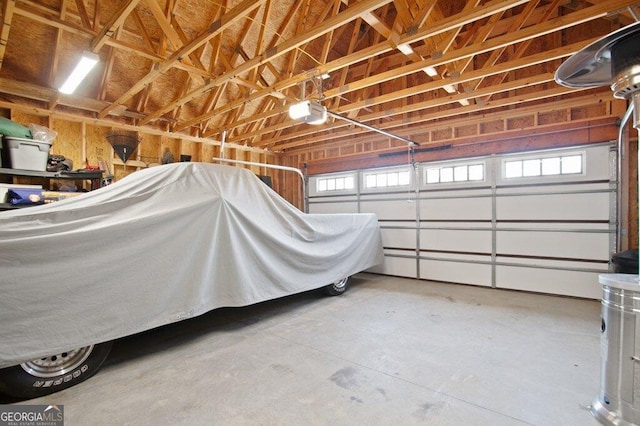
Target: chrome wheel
52 373
338 287
340 284
55 365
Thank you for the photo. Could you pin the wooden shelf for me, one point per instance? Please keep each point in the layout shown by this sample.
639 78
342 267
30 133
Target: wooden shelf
89 175
95 176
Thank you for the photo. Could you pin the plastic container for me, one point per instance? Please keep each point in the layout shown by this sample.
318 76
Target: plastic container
26 154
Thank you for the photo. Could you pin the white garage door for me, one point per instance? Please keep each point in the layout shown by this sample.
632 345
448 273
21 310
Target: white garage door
539 221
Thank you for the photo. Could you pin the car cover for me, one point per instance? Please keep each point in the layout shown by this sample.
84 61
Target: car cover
161 245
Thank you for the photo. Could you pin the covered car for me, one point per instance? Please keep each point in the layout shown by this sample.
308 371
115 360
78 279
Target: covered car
161 245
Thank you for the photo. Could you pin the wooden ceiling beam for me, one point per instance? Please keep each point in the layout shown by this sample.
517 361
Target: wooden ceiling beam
422 14
114 23
238 52
109 124
484 72
554 54
329 40
8 8
172 35
369 79
53 63
507 39
344 71
400 127
288 45
555 24
503 112
143 31
363 54
430 104
211 103
47 18
367 93
521 49
300 28
266 14
277 37
50 18
84 16
96 15
403 14
216 27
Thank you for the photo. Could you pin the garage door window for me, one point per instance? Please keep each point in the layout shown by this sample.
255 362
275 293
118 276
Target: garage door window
544 166
451 174
337 183
387 179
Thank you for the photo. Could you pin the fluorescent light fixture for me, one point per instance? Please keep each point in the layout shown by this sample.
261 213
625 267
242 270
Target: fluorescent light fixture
405 48
464 102
87 62
325 76
309 112
431 71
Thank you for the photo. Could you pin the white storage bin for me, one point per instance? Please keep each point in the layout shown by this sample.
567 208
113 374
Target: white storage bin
26 154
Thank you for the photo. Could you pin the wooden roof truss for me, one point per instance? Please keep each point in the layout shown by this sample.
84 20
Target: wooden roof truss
200 67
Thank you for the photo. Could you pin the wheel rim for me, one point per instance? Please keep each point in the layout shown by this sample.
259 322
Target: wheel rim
58 364
340 284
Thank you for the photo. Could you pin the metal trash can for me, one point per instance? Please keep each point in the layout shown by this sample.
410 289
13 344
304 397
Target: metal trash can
618 402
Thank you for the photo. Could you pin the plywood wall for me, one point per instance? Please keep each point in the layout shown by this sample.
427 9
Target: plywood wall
86 144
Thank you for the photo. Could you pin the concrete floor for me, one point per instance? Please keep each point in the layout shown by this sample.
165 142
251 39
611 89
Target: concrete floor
391 351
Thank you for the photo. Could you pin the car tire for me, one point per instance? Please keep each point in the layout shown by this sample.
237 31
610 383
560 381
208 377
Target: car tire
338 287
53 373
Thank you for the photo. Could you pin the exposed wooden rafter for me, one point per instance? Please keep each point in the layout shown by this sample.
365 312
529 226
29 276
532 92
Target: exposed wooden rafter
199 67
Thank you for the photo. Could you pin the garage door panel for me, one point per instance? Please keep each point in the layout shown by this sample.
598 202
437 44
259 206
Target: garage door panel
397 266
398 238
390 209
546 263
456 209
569 207
554 281
478 241
542 230
455 272
575 245
337 207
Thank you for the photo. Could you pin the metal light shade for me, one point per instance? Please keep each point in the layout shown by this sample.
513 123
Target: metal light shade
309 112
123 143
600 64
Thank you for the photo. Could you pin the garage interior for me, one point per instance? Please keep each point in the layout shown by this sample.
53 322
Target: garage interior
501 196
